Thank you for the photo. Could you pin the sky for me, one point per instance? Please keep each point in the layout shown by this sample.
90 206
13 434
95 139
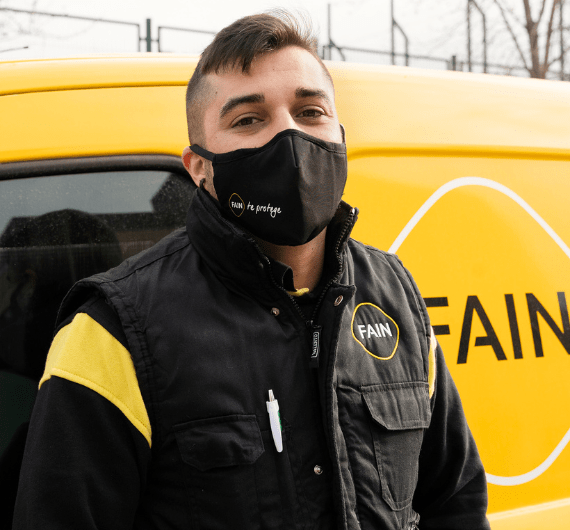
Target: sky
354 23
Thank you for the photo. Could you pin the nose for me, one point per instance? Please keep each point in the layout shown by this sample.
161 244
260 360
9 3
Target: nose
284 120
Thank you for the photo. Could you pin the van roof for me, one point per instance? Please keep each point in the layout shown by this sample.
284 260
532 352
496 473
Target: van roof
387 108
42 75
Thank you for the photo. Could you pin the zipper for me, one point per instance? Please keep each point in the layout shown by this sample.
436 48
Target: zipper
315 328
310 324
347 223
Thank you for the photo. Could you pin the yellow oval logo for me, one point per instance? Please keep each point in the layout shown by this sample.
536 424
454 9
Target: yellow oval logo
375 331
501 277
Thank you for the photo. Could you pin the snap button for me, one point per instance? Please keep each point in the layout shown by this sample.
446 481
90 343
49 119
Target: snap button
338 300
275 312
318 470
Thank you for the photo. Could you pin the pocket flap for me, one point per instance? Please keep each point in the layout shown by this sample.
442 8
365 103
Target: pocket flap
399 406
220 442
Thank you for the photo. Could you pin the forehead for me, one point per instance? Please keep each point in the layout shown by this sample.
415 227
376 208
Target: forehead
278 74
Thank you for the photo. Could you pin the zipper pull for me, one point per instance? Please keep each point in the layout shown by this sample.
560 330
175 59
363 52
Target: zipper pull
315 344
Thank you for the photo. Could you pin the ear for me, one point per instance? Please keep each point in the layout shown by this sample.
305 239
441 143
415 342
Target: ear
194 164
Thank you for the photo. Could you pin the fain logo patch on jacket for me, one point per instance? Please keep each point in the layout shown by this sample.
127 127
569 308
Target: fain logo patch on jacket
375 331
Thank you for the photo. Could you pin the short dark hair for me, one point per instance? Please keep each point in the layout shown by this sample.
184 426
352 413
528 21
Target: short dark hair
236 46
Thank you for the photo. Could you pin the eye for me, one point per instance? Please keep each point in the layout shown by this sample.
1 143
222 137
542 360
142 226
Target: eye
245 121
311 113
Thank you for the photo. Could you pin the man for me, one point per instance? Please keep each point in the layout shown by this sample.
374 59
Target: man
257 369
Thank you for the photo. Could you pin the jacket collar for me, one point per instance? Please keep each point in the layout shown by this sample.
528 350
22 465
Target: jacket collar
234 255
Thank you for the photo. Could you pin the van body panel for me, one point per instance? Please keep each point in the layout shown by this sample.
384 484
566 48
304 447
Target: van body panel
93 122
550 515
406 107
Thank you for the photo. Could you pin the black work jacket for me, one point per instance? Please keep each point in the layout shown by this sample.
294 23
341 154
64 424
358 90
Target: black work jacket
211 330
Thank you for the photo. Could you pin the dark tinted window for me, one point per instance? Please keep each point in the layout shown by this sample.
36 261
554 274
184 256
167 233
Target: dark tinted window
55 230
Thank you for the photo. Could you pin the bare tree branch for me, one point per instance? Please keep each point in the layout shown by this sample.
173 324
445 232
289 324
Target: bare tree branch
556 59
532 30
541 12
528 13
510 29
555 4
513 14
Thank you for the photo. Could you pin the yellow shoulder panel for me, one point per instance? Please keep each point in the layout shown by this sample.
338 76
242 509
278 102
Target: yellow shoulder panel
86 353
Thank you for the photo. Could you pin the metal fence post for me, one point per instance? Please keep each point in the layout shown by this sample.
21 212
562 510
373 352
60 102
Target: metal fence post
148 36
397 26
484 42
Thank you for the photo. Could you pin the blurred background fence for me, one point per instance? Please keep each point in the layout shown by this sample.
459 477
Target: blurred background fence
53 34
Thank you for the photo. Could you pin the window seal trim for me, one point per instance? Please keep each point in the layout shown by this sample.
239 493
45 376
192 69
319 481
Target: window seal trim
92 164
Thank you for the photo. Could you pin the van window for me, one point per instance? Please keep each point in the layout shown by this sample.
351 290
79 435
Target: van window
55 230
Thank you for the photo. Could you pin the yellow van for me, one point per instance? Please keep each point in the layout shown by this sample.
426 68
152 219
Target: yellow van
466 177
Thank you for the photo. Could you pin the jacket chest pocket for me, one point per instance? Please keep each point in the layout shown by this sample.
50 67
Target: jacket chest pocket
219 456
398 414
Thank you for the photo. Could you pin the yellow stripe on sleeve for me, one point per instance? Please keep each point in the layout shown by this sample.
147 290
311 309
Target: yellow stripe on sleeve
431 363
86 353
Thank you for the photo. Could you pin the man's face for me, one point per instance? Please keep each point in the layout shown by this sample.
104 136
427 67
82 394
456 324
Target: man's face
287 89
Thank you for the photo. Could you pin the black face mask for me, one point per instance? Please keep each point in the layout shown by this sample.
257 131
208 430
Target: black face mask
285 192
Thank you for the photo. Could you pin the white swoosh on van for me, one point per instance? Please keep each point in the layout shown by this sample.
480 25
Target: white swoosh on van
537 471
487 183
475 181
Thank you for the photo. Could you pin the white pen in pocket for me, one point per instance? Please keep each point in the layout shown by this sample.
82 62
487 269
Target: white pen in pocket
275 421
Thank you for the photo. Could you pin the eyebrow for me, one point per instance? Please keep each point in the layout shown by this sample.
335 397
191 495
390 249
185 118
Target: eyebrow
300 93
232 103
311 93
